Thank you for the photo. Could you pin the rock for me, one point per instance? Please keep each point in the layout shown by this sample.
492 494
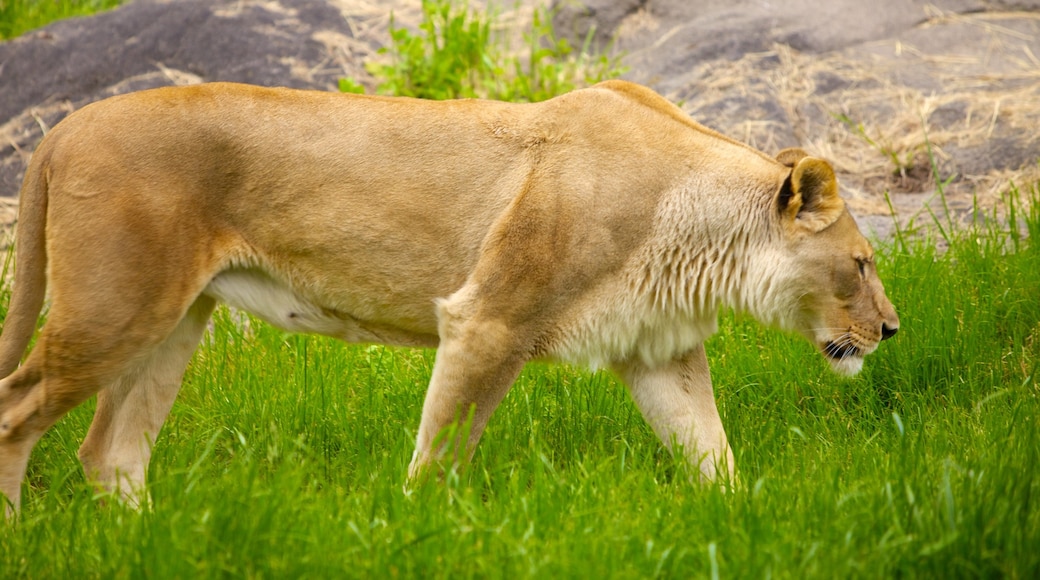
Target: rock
885 90
144 44
575 20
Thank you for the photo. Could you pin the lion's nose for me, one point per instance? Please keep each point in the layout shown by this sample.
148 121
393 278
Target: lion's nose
887 331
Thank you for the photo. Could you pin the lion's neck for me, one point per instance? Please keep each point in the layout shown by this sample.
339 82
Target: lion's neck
706 255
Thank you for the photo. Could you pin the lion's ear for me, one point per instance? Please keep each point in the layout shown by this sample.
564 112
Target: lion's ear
809 198
791 156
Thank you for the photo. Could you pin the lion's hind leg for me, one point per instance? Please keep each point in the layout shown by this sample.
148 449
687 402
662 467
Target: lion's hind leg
20 400
115 344
132 409
61 372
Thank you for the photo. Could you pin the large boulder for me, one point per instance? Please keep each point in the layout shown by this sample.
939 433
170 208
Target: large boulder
47 73
885 90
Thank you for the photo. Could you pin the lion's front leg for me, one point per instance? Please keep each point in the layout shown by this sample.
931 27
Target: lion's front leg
477 362
678 402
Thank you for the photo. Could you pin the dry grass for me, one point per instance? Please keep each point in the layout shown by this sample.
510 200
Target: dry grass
891 107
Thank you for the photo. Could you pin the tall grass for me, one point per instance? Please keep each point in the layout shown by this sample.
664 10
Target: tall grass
20 16
286 456
462 52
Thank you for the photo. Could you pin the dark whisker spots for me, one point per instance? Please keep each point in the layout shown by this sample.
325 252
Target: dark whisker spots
840 350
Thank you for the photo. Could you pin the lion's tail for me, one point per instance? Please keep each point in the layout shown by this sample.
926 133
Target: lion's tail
30 276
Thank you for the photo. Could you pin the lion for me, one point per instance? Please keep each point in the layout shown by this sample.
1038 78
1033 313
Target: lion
603 227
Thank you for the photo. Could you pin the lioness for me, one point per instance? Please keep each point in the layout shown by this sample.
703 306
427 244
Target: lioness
602 227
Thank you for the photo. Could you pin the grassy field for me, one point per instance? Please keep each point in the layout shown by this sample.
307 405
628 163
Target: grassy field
285 456
20 16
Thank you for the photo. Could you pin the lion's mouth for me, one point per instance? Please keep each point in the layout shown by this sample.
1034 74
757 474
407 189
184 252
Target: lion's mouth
840 351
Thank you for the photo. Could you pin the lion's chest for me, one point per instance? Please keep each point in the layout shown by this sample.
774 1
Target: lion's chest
629 332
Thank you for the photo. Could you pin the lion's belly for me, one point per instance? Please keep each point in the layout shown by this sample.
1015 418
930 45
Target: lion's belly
279 304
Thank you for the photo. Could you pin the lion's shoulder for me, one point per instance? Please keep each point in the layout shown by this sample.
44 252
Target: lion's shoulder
646 98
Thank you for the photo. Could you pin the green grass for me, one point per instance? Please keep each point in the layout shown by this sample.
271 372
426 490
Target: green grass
285 456
20 16
461 52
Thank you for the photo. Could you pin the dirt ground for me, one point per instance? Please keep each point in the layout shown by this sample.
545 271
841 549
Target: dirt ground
885 90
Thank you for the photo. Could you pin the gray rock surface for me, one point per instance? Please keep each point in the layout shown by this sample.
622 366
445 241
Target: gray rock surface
47 73
882 89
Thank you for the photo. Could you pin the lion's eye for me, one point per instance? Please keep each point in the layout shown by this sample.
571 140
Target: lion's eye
862 263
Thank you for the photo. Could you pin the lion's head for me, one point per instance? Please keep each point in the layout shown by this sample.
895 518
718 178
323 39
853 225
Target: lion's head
828 269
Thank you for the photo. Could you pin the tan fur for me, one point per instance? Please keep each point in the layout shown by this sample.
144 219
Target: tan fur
601 227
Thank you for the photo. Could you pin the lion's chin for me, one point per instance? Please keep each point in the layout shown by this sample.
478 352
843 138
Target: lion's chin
845 359
848 366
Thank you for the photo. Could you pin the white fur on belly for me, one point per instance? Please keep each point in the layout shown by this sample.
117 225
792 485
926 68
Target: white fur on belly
277 303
